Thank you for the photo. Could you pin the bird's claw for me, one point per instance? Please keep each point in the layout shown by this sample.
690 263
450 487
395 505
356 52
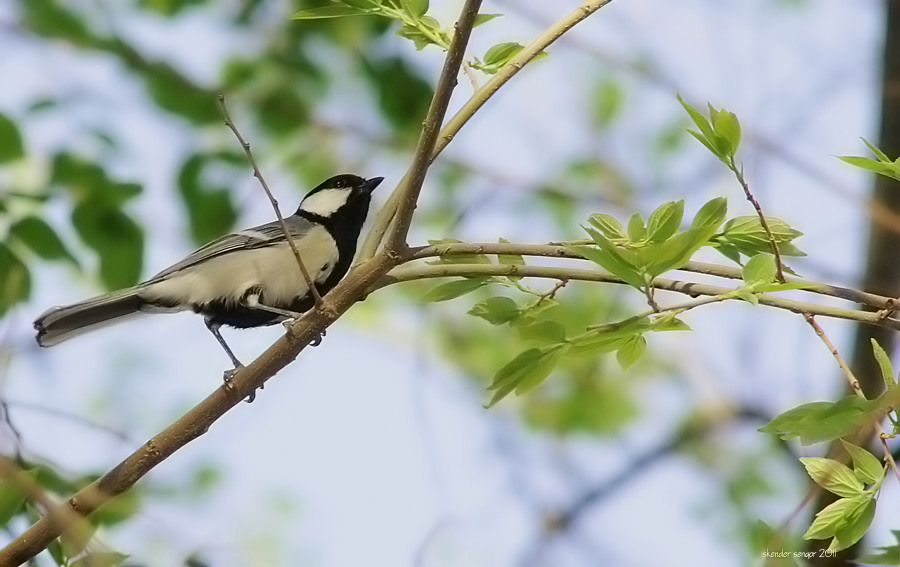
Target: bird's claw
229 375
289 327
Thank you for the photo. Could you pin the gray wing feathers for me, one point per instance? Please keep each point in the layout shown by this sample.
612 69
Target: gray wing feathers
256 237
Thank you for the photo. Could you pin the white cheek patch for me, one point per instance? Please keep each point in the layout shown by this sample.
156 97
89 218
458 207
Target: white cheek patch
326 202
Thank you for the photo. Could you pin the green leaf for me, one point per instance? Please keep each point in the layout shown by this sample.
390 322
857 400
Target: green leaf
414 8
636 229
632 349
843 520
669 322
815 422
607 224
496 310
523 373
324 12
12 499
856 524
612 261
878 153
210 208
484 18
711 214
500 54
675 252
546 331
116 238
833 476
37 235
453 289
759 269
15 280
884 363
11 147
607 101
866 466
706 131
100 559
727 129
886 169
664 221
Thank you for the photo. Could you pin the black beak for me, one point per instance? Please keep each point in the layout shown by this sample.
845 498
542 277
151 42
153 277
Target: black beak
371 184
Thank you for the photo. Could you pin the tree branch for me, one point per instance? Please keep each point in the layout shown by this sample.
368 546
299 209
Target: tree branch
407 192
478 99
418 272
560 251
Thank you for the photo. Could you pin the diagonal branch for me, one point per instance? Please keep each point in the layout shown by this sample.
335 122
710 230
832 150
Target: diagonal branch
478 99
407 192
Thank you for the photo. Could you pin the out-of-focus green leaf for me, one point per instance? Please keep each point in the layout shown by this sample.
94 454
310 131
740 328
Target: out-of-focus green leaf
496 310
12 498
404 107
11 147
608 99
37 235
117 239
15 280
211 209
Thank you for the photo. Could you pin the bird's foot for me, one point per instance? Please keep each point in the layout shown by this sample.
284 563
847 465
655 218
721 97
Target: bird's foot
289 327
229 375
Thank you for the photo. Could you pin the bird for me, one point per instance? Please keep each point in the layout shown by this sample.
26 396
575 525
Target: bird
245 279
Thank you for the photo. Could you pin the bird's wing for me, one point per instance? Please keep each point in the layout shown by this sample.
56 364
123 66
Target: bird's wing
257 237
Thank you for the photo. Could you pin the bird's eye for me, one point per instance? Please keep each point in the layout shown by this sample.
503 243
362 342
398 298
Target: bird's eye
339 183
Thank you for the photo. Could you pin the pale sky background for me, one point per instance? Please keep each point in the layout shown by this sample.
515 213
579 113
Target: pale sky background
372 453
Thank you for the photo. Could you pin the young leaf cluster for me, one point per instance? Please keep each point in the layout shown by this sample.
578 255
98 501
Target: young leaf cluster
720 133
882 166
745 236
642 251
848 518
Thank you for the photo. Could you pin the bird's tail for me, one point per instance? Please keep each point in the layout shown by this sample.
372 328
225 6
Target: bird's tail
58 324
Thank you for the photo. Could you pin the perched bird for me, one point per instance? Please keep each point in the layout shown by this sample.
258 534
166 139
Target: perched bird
244 279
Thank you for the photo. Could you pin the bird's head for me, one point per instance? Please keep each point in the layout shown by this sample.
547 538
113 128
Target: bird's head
339 195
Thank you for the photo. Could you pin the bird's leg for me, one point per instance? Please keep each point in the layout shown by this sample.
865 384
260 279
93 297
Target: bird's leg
251 301
228 375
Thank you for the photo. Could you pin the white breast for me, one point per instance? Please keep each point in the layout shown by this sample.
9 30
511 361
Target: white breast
273 269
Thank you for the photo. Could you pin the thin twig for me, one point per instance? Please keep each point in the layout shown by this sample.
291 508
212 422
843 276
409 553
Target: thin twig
739 174
258 174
